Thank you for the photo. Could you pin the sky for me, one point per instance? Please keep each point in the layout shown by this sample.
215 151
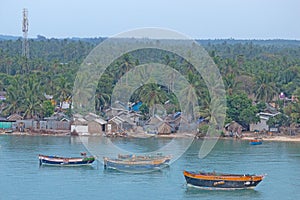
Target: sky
199 19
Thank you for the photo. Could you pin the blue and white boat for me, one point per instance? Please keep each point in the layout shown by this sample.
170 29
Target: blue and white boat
65 161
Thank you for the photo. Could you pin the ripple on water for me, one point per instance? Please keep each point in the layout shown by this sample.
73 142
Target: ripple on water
24 178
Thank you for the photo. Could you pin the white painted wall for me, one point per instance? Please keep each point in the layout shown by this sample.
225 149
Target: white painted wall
80 129
262 125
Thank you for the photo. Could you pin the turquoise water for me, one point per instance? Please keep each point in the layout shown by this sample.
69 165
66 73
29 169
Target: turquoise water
21 177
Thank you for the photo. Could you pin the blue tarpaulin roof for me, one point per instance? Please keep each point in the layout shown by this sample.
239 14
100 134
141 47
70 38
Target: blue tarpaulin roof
177 114
137 106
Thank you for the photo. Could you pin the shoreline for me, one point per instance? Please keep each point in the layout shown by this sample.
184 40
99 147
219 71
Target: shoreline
276 138
246 136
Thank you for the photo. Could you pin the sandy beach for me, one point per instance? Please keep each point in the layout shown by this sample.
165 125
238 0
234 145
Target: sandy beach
246 136
35 133
277 138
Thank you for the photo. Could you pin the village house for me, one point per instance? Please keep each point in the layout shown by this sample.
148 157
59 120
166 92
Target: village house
151 126
112 112
262 125
233 129
164 128
96 125
130 116
14 117
89 124
55 123
118 125
79 126
170 124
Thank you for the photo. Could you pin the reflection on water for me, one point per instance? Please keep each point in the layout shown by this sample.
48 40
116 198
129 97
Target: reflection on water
191 192
22 178
110 147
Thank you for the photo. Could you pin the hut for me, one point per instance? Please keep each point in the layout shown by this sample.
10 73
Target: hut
131 116
112 112
118 124
233 129
181 124
91 116
79 126
97 126
14 117
164 128
151 126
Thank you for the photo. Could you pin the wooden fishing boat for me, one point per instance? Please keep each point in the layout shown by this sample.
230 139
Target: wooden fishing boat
133 163
140 157
222 181
65 161
255 141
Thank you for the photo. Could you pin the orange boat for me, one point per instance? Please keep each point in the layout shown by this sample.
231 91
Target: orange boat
255 141
222 181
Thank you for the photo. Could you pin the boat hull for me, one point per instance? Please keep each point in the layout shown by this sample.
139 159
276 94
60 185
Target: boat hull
222 182
255 143
59 161
136 166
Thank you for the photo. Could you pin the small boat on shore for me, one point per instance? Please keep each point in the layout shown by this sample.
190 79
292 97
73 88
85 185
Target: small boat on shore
134 163
66 161
222 181
255 141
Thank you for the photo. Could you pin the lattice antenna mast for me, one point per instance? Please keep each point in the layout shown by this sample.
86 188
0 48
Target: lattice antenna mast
25 46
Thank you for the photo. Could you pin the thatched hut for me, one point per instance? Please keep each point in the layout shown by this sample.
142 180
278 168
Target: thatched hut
234 129
164 128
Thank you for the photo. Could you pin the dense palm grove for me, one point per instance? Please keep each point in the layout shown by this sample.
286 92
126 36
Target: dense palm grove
254 73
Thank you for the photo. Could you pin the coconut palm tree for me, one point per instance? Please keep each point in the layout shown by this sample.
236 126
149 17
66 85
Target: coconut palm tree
14 95
31 104
1 85
231 83
84 93
127 64
266 88
152 94
48 80
189 94
101 100
203 110
63 87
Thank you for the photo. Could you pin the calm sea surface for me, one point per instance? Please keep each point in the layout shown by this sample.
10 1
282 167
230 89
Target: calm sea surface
21 177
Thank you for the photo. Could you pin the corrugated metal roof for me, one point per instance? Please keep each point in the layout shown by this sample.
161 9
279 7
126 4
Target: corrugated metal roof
100 121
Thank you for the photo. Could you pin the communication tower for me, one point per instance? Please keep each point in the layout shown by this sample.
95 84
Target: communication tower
25 46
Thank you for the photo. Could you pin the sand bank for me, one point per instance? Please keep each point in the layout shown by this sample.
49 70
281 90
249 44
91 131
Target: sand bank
247 136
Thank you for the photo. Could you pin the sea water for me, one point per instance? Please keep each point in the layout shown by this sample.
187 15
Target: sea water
21 177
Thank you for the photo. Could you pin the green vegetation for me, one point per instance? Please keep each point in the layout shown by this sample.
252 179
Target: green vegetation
254 72
241 110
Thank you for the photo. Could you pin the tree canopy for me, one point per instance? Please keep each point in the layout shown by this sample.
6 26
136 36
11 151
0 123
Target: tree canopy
253 72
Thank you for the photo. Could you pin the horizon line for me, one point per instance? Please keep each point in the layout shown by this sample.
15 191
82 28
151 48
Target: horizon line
97 37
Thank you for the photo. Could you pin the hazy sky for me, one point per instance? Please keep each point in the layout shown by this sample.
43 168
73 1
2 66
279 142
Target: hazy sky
201 19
